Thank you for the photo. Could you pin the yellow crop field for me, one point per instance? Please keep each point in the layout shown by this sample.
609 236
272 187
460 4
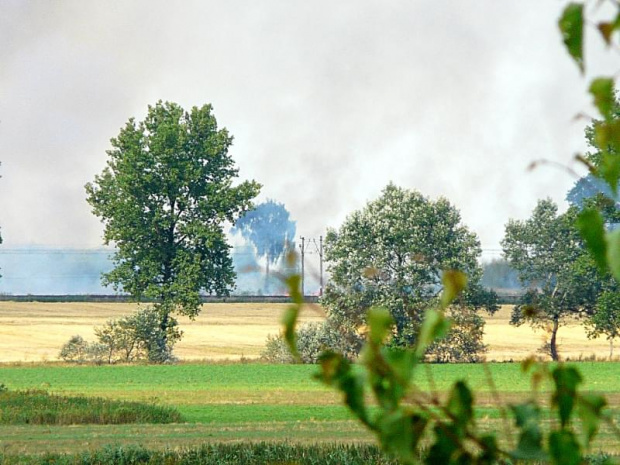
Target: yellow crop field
33 331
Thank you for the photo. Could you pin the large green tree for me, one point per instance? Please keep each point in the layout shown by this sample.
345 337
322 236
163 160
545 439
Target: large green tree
562 279
392 254
164 197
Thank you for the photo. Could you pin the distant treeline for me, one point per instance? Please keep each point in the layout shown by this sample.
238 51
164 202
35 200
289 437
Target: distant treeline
128 299
506 296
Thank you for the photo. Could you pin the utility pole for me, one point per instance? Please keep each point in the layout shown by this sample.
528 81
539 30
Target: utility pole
302 246
321 265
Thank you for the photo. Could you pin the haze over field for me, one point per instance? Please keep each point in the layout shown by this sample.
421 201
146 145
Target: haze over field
327 102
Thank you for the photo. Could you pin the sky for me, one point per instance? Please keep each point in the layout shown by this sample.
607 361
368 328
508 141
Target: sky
328 102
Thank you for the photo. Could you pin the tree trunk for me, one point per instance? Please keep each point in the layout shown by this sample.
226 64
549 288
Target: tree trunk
267 277
162 341
553 347
611 349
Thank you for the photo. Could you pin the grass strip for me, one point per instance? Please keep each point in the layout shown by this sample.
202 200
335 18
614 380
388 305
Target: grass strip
223 454
188 378
38 407
247 454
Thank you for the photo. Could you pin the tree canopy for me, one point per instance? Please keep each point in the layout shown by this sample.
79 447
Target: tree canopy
551 260
164 198
392 254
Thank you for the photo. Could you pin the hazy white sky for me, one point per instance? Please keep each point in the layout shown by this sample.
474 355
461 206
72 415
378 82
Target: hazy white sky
328 102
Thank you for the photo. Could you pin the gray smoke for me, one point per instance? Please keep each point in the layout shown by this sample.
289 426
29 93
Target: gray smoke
70 271
328 102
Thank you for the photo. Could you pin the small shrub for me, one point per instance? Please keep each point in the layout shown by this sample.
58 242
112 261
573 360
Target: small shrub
97 352
312 339
74 351
136 337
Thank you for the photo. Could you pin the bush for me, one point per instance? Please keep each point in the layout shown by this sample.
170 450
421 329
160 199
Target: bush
96 352
74 351
463 343
312 339
276 350
152 343
137 337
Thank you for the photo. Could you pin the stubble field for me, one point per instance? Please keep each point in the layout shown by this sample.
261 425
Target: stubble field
34 332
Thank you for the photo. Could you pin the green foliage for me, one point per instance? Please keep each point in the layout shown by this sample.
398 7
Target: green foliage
405 415
40 408
463 343
139 337
602 89
217 454
591 226
603 136
391 254
571 26
606 318
164 198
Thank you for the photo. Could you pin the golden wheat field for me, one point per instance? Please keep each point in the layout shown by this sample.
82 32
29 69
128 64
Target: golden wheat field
33 331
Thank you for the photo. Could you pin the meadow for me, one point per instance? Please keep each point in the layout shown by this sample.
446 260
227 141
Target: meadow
246 401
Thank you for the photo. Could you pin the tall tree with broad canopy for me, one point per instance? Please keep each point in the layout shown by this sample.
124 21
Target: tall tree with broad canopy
392 254
164 198
562 279
270 230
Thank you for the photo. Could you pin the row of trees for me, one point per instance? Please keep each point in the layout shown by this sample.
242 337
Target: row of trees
167 194
392 253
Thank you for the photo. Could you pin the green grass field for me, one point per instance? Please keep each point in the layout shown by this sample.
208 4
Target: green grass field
244 402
